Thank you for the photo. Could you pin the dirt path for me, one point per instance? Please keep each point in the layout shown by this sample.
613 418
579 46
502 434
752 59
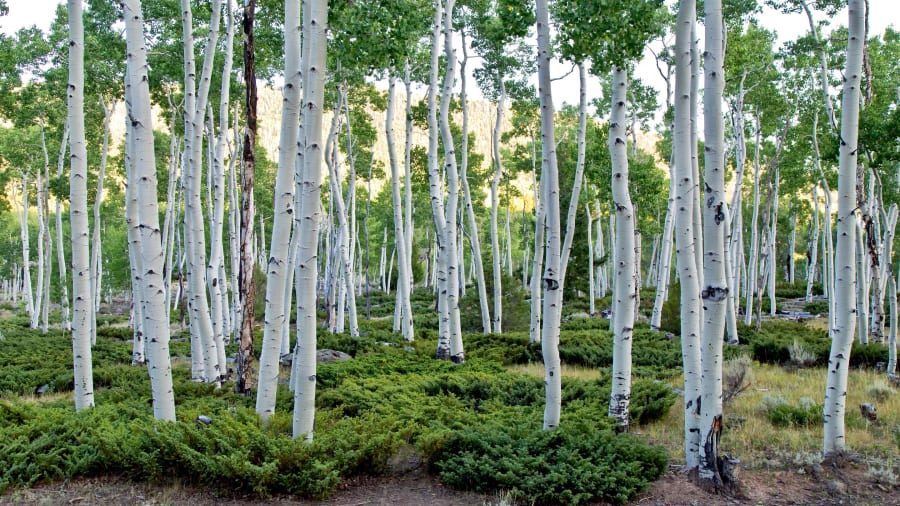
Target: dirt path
818 486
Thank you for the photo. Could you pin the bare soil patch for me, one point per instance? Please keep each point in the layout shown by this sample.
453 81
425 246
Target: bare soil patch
818 485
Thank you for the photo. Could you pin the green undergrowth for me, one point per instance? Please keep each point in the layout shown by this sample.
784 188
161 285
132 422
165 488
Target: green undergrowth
478 425
772 344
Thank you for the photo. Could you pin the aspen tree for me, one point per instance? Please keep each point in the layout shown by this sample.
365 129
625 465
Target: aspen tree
845 275
156 324
82 304
276 273
624 294
315 24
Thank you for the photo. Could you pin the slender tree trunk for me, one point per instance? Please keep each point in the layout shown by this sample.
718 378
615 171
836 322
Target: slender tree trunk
715 279
60 250
450 230
495 203
813 250
474 238
845 319
552 270
892 335
82 306
579 177
277 274
195 112
626 260
156 325
344 243
403 268
685 242
753 271
315 24
537 266
436 190
590 239
27 289
246 285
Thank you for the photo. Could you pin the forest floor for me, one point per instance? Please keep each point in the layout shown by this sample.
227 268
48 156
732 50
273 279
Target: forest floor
814 485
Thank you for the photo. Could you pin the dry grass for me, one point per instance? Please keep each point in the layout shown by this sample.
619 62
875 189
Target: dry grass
751 437
568 371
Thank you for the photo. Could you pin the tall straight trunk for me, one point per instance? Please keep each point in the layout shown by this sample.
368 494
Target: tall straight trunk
246 285
216 281
600 252
169 227
45 251
495 203
753 264
234 247
82 305
451 261
590 239
772 242
813 250
579 178
862 299
892 335
315 24
549 176
695 159
39 291
108 111
25 236
684 223
624 296
60 250
715 279
885 256
195 112
828 258
845 279
277 274
537 266
823 65
665 256
136 266
403 268
156 325
792 247
474 238
344 245
436 190
736 227
407 178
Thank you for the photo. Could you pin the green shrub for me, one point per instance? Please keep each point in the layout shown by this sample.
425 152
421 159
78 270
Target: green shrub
564 466
784 415
816 307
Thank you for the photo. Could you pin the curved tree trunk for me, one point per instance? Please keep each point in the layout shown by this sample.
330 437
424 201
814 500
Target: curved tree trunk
845 279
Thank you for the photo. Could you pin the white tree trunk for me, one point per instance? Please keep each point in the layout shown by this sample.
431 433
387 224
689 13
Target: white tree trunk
753 270
892 335
576 185
624 294
845 318
403 268
195 112
451 260
537 266
474 238
813 246
82 306
862 299
715 279
277 273
24 235
684 223
156 324
60 250
495 202
348 297
549 176
590 239
315 24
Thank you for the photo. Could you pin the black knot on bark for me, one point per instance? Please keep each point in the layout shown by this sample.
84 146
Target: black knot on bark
714 293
